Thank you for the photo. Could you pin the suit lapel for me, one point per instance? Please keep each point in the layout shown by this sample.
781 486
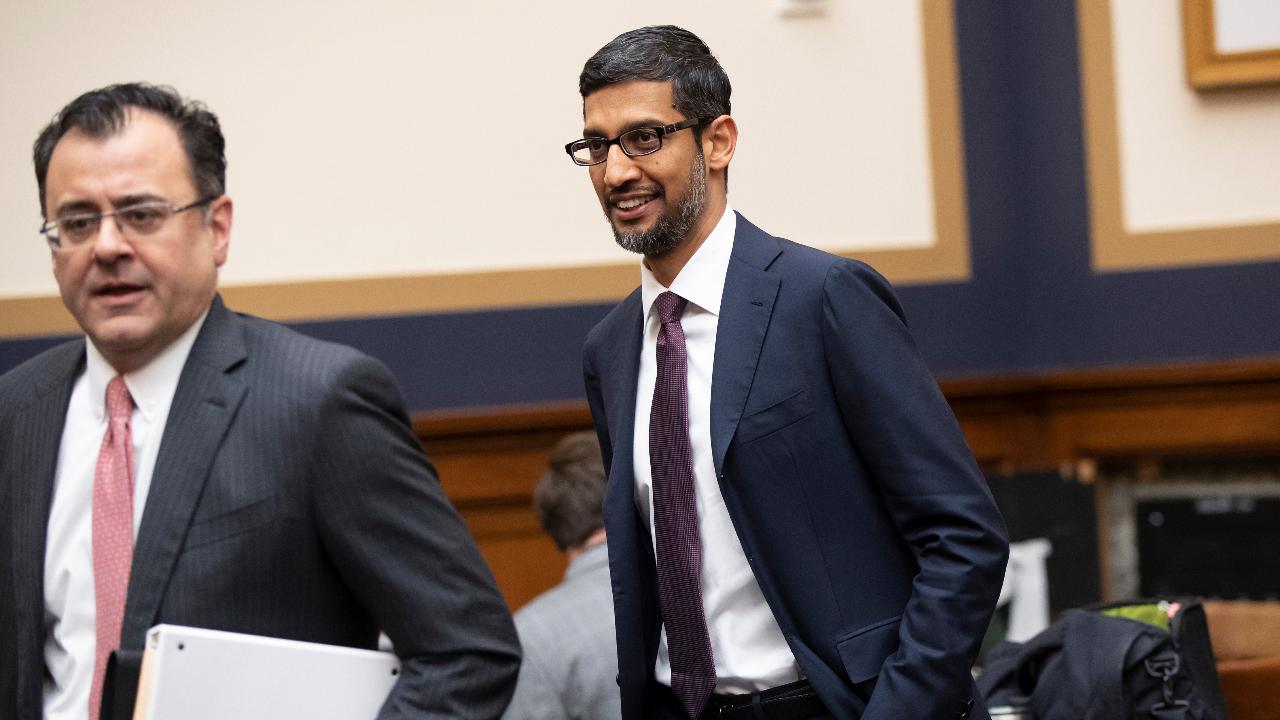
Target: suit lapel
745 309
203 407
619 372
631 562
37 437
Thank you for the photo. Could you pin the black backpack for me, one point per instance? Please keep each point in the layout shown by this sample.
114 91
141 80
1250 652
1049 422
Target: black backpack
1139 660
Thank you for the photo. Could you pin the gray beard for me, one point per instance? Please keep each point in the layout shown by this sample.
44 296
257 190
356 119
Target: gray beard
674 225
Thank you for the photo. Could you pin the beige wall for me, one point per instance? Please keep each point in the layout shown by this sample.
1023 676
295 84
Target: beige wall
416 138
1188 158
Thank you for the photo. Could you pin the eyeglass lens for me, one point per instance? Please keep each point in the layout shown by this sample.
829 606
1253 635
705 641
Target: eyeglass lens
641 141
133 221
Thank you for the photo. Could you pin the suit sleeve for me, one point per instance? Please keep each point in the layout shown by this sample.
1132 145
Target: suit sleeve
914 451
404 551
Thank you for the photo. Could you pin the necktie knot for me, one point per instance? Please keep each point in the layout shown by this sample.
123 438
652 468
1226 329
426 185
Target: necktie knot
119 401
670 307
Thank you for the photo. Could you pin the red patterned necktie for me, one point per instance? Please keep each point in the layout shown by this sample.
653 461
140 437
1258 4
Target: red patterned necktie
112 531
679 548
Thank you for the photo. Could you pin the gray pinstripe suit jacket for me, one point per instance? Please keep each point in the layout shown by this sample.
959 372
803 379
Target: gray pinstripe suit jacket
290 498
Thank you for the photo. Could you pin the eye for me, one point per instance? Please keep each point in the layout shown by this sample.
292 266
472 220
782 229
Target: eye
76 229
78 224
642 141
143 218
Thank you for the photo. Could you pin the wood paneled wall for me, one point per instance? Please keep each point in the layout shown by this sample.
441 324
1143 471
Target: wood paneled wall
490 459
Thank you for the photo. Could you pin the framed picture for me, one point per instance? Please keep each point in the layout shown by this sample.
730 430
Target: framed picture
1231 43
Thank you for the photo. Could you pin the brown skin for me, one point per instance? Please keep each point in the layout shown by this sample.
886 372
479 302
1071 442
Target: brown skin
661 176
135 298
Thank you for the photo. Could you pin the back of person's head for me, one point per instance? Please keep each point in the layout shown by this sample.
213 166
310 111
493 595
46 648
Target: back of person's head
103 112
568 499
663 53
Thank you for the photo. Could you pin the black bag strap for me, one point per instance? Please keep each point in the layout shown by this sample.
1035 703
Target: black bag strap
1164 667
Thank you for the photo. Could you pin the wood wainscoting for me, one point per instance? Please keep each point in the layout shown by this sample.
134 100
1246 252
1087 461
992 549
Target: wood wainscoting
489 459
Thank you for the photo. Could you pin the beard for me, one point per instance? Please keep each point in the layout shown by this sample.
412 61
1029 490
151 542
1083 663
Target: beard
674 225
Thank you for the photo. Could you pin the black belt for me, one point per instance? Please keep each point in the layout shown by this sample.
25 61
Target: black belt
793 701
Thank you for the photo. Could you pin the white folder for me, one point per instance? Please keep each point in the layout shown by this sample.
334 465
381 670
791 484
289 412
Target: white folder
196 674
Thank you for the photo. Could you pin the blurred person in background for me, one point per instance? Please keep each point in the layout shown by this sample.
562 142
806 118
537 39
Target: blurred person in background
570 662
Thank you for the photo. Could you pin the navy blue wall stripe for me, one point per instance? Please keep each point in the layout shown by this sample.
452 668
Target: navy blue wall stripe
1033 303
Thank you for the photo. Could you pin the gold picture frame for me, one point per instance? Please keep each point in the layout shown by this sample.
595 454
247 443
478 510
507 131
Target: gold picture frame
1114 247
1208 69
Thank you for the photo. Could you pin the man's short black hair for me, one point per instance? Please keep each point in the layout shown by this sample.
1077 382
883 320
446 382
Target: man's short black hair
569 498
665 53
103 112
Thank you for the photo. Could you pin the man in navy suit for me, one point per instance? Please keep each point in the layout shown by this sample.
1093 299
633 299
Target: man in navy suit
796 526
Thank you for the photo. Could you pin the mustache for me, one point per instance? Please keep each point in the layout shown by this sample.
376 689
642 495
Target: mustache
633 188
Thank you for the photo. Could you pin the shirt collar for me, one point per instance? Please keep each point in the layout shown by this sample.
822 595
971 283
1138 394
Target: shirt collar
701 280
152 386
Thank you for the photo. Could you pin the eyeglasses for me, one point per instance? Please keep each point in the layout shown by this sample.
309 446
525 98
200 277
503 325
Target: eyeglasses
635 143
133 222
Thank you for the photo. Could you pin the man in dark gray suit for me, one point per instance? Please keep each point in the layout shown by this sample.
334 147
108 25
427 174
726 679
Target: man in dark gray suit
188 465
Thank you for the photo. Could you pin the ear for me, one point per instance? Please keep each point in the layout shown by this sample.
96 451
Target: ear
220 215
719 140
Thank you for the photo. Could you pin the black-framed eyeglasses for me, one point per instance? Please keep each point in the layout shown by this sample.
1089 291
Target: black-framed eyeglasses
134 221
635 143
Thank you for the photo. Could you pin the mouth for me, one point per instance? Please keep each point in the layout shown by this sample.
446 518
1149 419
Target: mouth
632 206
119 292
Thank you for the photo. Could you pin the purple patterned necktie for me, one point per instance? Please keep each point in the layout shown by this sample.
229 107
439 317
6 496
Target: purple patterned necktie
675 516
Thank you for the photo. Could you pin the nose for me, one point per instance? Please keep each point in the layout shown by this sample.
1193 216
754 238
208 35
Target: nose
620 168
110 244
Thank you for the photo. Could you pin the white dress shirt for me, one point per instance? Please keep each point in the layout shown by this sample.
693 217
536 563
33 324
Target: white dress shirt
750 651
70 614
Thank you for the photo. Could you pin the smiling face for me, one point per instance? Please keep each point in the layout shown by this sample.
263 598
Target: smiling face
654 202
133 298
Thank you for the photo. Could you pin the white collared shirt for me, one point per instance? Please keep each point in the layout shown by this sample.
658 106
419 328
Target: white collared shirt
70 614
749 648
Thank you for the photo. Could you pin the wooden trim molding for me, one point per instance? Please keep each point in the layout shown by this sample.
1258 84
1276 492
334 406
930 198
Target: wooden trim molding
1046 421
490 458
1012 423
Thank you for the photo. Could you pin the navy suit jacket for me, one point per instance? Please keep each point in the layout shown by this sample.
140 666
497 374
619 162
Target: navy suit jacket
869 528
290 498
